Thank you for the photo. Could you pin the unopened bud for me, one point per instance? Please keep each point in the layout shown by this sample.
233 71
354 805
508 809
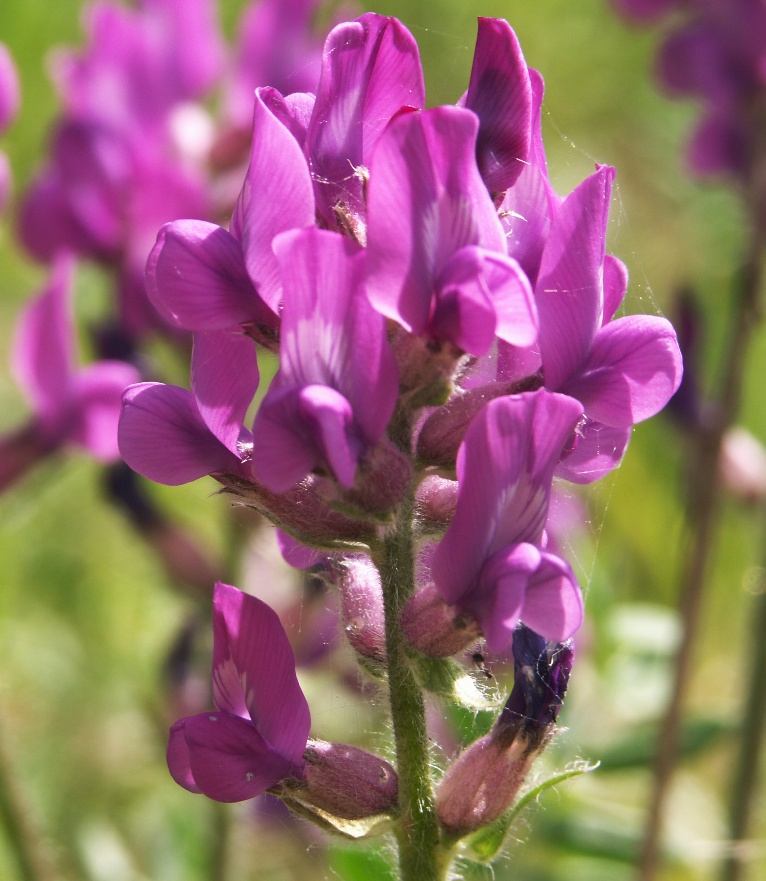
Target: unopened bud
382 480
361 600
347 782
435 628
481 784
435 503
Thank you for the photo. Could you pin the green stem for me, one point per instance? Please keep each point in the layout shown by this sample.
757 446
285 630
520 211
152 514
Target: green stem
420 857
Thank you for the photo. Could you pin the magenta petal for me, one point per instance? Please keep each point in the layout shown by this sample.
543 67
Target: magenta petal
42 358
301 428
96 402
162 436
179 763
569 287
505 466
196 277
370 69
426 200
515 308
228 758
530 205
633 370
498 599
553 605
224 379
598 449
277 195
254 671
331 334
464 312
500 94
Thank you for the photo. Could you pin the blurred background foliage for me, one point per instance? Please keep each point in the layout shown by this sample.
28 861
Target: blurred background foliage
88 616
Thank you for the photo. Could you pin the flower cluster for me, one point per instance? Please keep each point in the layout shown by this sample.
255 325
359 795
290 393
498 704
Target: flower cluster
716 53
135 147
447 341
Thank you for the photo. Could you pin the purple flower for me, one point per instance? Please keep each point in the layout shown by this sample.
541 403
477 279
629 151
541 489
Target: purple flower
622 370
257 735
201 277
370 70
71 405
437 259
491 562
275 47
336 388
174 436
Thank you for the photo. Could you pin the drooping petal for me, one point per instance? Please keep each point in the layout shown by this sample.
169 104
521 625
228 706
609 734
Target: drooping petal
254 671
500 94
633 369
223 757
95 405
179 763
300 428
162 436
370 69
277 195
43 350
224 380
196 278
569 288
597 450
426 200
553 605
463 310
497 599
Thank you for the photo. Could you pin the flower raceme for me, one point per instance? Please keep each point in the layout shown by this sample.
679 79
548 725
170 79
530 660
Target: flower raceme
448 346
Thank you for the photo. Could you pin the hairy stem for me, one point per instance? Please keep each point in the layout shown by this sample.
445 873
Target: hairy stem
418 829
702 518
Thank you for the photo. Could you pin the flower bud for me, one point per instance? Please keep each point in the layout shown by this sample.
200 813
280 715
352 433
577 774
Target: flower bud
383 478
435 628
435 500
486 777
361 599
444 430
346 782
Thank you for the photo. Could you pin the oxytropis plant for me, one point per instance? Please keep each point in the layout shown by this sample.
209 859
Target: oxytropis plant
447 342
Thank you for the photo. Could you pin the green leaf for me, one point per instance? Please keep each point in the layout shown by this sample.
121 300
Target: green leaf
361 864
